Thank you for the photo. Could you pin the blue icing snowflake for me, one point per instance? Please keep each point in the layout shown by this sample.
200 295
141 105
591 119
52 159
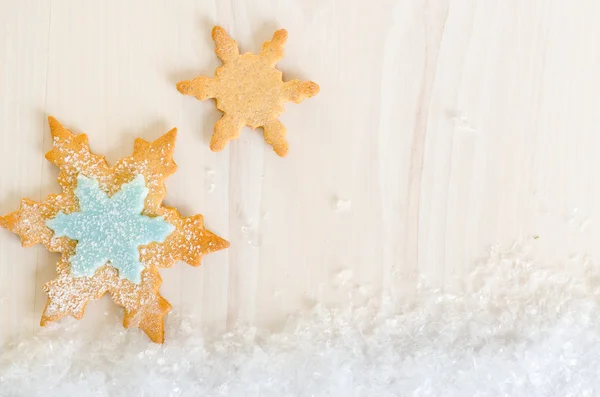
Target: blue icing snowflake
110 228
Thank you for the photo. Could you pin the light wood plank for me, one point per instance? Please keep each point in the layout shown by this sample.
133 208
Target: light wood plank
23 78
442 128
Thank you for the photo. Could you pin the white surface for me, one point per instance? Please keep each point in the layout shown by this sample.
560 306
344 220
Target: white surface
448 125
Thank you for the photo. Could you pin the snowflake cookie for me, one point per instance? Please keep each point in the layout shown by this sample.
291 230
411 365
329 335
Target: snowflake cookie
111 229
249 90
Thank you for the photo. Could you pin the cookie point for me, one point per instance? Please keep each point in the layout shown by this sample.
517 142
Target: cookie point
281 151
54 123
217 31
313 88
217 146
183 86
172 133
218 243
280 35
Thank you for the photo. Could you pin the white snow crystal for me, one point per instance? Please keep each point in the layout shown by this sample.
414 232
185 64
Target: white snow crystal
518 330
342 205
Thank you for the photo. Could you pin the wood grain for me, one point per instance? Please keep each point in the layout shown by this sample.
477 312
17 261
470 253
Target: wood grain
442 128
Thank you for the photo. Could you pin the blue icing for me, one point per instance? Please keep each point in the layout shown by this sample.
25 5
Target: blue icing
110 228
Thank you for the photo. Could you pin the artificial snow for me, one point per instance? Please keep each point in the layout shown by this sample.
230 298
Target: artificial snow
342 205
518 329
209 184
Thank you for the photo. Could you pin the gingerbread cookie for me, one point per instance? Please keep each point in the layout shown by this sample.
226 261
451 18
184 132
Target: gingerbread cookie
112 230
249 90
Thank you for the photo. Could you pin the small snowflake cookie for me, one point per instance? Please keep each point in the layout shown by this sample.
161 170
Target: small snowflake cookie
111 229
249 90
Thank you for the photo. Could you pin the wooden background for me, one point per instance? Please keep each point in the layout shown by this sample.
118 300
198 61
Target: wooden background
443 127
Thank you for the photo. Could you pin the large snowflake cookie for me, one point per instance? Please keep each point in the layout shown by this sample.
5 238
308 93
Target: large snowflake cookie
249 90
112 230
